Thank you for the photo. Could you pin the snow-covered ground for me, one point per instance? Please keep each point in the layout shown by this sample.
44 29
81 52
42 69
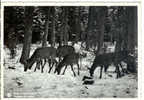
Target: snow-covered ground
18 83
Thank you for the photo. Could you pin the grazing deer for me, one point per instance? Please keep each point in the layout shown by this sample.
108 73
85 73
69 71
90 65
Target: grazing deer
69 59
39 54
104 60
64 50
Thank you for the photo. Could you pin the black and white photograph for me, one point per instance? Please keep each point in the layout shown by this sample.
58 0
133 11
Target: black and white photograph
70 51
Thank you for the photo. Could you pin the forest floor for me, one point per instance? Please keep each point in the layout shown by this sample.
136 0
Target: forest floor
30 84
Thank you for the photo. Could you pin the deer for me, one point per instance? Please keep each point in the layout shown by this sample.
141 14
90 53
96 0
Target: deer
68 60
104 60
39 54
64 50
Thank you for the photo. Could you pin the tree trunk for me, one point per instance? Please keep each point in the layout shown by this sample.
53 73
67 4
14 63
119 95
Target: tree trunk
100 19
132 36
132 28
89 27
120 32
44 43
77 24
62 27
53 27
28 34
66 35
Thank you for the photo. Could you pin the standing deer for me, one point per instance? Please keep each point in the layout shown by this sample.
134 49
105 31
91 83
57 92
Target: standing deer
70 59
104 60
39 54
64 50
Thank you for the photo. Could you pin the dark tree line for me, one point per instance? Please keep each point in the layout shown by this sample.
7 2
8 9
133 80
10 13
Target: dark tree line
91 25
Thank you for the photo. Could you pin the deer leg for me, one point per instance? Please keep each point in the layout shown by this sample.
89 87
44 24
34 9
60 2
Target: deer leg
118 71
73 70
101 72
49 60
59 59
80 64
35 69
78 69
51 67
55 71
44 62
122 68
42 65
105 68
37 65
56 67
51 64
56 63
64 70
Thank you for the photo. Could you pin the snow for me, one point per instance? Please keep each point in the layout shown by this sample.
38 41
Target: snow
30 84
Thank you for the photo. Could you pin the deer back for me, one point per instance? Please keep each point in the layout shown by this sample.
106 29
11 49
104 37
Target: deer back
45 52
65 50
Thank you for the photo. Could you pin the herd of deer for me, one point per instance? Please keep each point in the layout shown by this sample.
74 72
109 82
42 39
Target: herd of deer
68 57
66 52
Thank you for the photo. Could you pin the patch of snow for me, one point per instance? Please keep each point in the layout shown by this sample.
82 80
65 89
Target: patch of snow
18 83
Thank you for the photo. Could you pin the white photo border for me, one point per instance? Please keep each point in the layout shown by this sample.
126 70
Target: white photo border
65 3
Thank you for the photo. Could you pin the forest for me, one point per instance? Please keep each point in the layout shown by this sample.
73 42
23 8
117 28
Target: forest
98 42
